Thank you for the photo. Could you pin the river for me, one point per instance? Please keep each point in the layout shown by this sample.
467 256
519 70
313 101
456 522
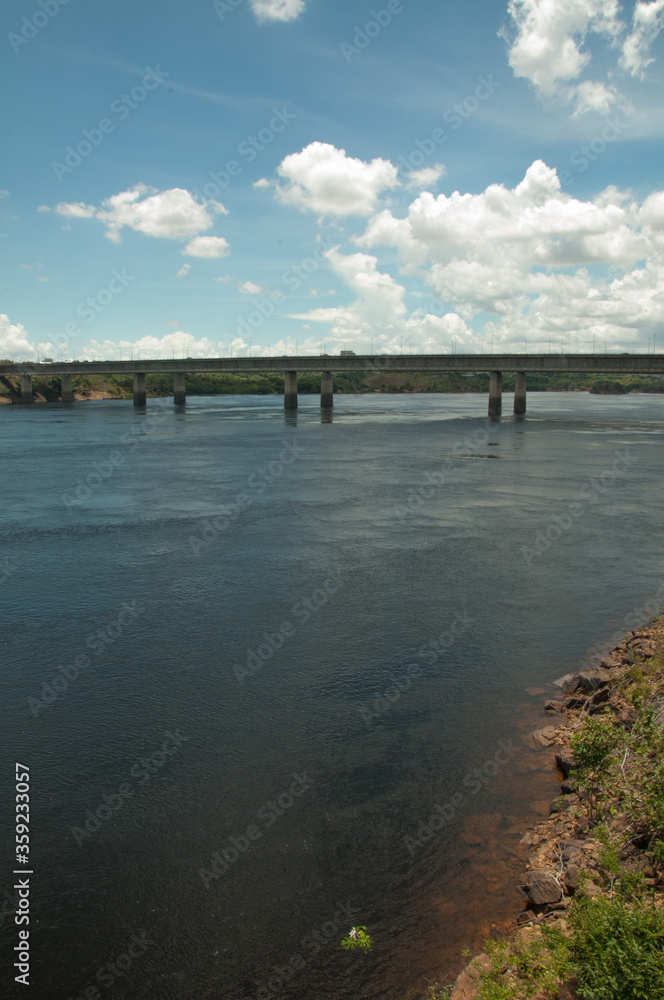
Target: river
247 655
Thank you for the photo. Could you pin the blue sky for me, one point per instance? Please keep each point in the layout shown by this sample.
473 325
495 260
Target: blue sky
266 176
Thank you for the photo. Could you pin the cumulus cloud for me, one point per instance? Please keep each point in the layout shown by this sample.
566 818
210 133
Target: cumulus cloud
379 313
548 47
250 288
207 247
322 179
426 177
173 214
277 10
538 260
647 22
184 271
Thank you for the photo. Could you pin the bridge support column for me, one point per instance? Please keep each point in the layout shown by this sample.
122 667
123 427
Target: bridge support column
520 394
179 391
67 390
26 389
290 390
326 389
496 395
140 397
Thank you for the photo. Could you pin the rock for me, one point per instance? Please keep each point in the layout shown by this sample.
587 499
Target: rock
564 765
553 706
570 848
572 876
568 683
591 680
626 716
574 702
540 888
611 662
627 659
598 701
525 917
556 806
544 737
567 787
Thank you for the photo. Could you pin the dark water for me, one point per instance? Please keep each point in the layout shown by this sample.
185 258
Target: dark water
400 523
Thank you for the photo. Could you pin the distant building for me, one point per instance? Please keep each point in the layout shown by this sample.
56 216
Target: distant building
348 354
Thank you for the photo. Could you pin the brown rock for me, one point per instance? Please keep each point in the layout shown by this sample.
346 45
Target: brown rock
574 702
540 888
564 765
591 680
568 683
598 701
553 706
572 876
544 737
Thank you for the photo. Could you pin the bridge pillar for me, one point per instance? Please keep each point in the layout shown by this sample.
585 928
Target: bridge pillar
290 390
326 389
496 395
67 390
26 389
140 397
179 391
520 394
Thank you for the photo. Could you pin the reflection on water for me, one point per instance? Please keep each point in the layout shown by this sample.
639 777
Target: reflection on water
362 608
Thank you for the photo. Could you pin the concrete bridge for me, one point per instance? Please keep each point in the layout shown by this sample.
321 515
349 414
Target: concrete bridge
496 364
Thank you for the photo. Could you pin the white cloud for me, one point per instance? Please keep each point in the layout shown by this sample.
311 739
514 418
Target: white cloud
525 256
277 10
224 277
647 22
184 271
249 288
323 179
4 193
426 177
43 208
207 247
171 214
548 47
75 210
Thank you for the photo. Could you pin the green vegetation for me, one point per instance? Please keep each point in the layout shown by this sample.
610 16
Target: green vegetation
266 383
357 938
610 946
612 949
